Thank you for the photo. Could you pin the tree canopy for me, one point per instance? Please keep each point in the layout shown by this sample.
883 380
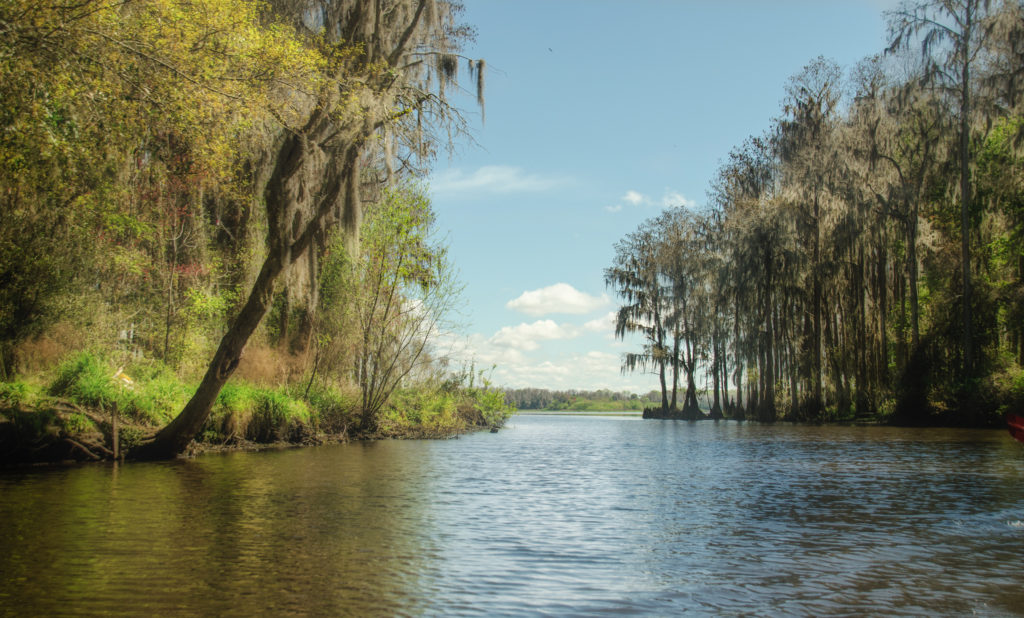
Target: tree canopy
861 259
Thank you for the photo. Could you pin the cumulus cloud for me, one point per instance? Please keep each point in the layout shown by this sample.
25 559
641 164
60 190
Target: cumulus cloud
527 336
670 198
557 298
516 368
634 198
604 324
493 179
674 199
589 371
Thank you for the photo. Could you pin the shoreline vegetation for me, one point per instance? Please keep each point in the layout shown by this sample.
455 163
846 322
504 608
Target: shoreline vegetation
71 413
223 200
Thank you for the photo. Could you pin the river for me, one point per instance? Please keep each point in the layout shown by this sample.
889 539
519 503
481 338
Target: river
554 514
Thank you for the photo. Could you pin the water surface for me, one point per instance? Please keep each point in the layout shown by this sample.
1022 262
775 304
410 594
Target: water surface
554 514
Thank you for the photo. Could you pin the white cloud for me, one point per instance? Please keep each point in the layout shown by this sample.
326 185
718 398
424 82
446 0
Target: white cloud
493 179
670 198
557 298
516 368
604 324
675 199
634 198
526 336
589 371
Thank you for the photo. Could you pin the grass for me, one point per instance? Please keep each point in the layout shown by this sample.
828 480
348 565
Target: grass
88 380
77 396
422 413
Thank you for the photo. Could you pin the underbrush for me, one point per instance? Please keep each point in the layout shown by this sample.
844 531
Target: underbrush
421 414
244 412
445 410
71 408
151 396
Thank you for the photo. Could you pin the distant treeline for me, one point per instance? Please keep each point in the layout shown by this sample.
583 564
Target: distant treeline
603 399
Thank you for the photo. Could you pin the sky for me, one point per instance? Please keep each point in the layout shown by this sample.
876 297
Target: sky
600 114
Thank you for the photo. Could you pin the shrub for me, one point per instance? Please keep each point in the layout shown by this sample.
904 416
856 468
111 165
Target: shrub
277 416
86 381
155 397
336 409
79 423
231 413
159 399
13 394
422 413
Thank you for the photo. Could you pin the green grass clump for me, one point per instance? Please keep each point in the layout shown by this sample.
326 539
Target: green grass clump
230 414
277 416
422 413
266 415
336 409
13 394
84 379
158 398
154 398
79 423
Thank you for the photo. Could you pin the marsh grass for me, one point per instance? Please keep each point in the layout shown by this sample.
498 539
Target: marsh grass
422 413
76 398
87 379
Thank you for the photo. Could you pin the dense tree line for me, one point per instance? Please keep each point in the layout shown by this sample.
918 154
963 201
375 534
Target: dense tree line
544 399
863 258
175 170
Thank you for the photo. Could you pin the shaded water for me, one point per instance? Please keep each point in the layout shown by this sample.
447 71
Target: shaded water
564 515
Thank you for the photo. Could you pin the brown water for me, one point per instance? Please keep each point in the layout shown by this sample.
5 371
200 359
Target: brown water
558 515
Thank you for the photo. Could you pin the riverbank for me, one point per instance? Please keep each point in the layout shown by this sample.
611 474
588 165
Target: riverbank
87 410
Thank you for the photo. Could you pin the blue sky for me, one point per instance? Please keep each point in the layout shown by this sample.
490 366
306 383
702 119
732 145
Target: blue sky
599 114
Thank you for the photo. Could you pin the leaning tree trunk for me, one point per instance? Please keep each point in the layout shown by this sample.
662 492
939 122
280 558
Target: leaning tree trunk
175 437
303 196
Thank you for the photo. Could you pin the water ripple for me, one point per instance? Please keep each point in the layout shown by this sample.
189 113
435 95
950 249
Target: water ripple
554 515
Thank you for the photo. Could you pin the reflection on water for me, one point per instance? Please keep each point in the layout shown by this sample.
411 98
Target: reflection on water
554 514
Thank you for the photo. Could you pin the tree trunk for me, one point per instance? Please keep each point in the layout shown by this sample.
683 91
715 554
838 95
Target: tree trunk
965 187
664 388
175 437
716 371
296 214
675 370
738 364
816 402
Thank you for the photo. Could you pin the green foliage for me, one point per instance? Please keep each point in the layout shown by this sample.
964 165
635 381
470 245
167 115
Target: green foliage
421 413
276 417
492 406
32 422
598 405
264 415
154 398
85 380
230 415
335 408
120 126
79 423
134 141
13 394
157 399
381 309
479 402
